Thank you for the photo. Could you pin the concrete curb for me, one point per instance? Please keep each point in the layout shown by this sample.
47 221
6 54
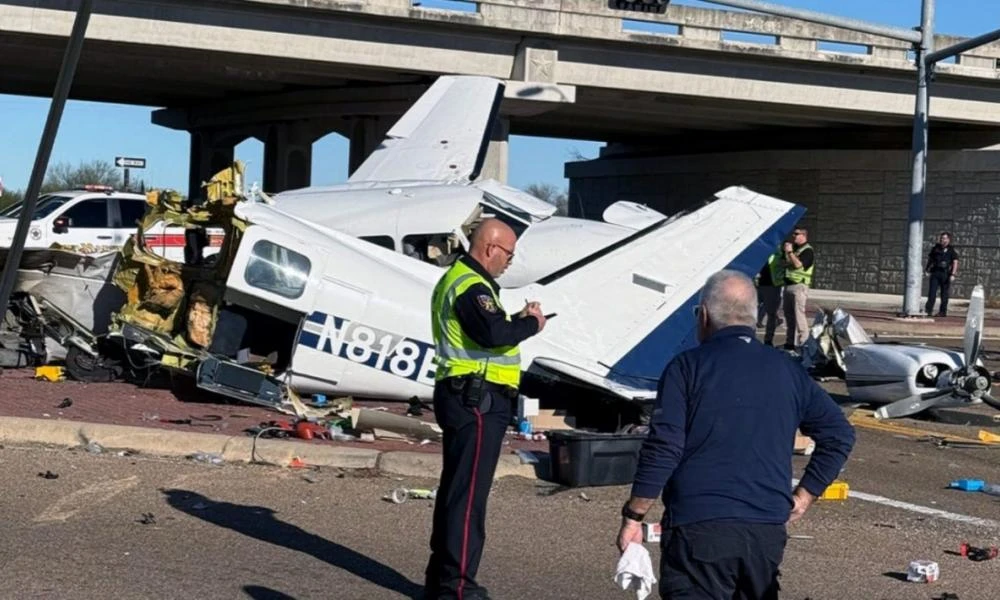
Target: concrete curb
165 442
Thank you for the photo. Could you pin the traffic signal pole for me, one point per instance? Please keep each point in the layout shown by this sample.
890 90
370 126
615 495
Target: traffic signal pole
66 73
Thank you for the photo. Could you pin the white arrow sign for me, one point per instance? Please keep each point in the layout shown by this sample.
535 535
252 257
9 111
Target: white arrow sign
130 163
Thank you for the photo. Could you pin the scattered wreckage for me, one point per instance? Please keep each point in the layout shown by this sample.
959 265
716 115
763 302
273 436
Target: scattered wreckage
288 308
902 379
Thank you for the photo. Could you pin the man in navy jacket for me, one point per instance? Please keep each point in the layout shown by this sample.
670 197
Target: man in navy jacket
720 449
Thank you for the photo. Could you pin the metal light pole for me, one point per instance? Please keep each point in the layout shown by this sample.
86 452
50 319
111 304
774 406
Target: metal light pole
918 181
63 84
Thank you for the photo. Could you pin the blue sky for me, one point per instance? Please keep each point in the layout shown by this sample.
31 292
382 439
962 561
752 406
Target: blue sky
92 130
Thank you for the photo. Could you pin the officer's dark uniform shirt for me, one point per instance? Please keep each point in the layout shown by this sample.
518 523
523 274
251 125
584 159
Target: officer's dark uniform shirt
484 321
807 261
941 259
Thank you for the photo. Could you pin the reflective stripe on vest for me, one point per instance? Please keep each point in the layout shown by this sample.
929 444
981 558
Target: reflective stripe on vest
801 275
457 353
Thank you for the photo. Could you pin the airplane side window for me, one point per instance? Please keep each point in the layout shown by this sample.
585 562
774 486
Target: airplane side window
433 248
277 269
381 240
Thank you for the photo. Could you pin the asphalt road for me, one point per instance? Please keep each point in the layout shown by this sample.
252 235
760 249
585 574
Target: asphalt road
240 531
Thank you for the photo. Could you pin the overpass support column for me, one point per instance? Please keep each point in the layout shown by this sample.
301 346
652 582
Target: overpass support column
496 164
365 134
211 151
288 156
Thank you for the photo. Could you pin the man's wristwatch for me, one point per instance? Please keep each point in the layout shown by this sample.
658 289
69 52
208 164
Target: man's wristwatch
628 513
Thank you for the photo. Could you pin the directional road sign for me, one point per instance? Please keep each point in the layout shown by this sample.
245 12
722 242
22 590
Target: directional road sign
130 163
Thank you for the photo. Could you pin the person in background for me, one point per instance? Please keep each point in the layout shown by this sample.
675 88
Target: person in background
769 283
799 261
942 266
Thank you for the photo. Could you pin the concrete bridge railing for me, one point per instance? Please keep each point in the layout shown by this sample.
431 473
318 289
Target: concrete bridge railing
682 26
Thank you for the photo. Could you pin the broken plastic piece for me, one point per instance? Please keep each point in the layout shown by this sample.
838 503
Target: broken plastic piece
400 495
923 571
967 485
206 457
838 490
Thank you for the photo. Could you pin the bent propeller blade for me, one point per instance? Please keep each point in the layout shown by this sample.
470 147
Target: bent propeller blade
974 326
912 405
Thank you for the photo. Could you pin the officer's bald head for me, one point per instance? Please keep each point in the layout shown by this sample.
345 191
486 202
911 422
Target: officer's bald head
492 246
728 298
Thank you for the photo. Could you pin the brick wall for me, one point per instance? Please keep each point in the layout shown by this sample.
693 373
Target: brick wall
857 204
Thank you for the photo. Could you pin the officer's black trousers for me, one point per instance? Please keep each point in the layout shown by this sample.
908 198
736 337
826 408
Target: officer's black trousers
472 441
721 561
939 280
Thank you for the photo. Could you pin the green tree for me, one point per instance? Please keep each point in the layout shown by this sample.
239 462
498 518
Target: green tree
551 194
64 176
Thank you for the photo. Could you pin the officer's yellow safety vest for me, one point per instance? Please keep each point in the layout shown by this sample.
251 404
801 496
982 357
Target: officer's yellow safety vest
456 353
801 275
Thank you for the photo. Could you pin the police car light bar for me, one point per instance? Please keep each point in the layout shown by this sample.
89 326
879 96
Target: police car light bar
646 6
92 187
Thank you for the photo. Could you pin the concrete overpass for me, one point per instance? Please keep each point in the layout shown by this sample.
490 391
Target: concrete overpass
290 71
816 114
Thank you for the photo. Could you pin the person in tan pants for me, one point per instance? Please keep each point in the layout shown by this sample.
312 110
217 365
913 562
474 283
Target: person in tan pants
799 259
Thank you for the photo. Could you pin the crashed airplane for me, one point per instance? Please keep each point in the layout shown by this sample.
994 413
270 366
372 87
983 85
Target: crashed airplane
904 379
326 290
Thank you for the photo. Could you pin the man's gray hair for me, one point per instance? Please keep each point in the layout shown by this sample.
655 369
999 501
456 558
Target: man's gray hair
730 298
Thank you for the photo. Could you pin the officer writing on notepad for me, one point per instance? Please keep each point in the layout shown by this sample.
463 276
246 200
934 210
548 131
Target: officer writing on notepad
476 386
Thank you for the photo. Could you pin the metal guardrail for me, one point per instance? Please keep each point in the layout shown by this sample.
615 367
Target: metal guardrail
722 30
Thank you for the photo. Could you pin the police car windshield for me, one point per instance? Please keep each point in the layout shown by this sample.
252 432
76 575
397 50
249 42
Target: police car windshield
46 205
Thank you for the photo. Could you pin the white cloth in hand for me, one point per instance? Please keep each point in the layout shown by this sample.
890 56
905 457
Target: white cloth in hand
635 571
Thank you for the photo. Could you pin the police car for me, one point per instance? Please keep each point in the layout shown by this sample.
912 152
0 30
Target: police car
95 219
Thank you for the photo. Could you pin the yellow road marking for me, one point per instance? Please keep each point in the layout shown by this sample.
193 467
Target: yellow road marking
866 419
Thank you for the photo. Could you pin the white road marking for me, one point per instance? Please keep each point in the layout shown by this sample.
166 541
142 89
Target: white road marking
924 510
91 496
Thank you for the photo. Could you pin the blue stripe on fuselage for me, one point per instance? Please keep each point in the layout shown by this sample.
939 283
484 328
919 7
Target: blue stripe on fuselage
642 365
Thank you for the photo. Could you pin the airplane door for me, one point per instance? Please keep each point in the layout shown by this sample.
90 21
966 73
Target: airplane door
272 267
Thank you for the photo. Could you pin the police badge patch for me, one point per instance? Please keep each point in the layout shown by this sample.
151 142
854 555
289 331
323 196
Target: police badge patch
487 303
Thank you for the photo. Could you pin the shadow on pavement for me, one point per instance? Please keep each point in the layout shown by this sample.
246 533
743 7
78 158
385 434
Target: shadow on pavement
259 522
259 592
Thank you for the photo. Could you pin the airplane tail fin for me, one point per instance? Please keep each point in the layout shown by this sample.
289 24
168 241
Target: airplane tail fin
442 137
624 312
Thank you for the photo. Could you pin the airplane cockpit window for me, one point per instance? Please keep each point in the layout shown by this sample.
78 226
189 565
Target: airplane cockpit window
506 212
440 249
277 269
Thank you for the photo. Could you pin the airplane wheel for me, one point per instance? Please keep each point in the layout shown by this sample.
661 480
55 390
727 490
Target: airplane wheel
84 367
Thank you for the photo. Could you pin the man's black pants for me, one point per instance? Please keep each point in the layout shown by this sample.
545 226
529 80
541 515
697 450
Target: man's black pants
472 441
939 280
721 561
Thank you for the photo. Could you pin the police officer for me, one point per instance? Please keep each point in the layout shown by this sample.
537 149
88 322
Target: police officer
942 266
798 261
478 374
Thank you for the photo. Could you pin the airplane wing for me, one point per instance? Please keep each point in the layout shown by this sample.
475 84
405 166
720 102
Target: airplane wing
625 311
442 137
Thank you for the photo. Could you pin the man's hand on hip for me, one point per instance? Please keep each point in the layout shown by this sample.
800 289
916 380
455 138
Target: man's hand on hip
803 500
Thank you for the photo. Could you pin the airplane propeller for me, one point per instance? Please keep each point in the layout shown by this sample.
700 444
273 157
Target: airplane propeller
967 383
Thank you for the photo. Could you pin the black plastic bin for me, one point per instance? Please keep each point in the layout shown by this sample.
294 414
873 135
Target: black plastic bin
590 459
